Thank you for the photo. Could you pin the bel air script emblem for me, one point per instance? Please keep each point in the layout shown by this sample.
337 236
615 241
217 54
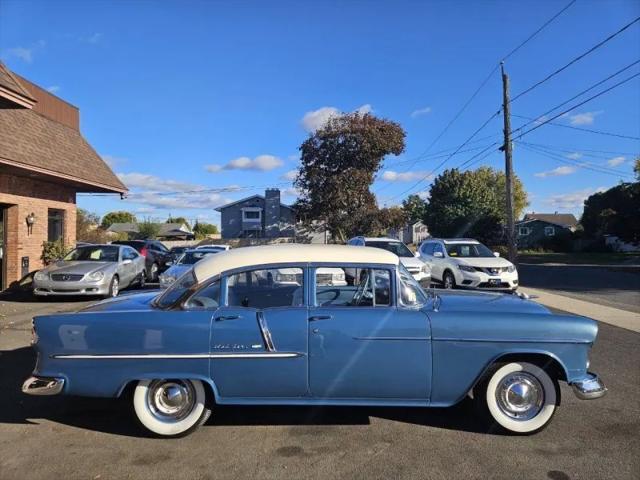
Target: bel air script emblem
235 346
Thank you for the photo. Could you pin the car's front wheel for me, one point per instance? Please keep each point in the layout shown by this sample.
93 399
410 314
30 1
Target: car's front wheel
518 396
114 287
448 280
171 408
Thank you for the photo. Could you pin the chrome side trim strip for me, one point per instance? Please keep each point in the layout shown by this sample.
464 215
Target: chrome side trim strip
154 356
392 338
513 340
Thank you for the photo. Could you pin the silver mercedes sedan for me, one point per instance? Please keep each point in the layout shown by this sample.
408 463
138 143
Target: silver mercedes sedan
101 270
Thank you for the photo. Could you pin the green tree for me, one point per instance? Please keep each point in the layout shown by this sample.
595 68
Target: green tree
414 208
614 212
148 229
178 220
117 217
338 164
471 203
636 168
88 228
201 229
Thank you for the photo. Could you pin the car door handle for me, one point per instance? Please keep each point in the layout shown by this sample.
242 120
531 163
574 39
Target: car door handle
320 317
227 317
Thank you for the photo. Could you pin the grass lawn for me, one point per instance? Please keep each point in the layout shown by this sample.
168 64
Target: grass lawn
581 258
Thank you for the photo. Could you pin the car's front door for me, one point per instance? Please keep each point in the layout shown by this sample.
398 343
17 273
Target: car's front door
363 346
259 337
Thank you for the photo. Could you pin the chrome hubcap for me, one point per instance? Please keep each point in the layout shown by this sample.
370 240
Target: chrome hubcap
114 289
171 399
520 396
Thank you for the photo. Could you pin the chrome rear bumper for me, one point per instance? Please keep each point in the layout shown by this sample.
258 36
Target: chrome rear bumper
589 388
43 386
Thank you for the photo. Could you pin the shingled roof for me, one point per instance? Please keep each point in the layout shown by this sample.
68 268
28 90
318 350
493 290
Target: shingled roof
567 220
11 87
32 141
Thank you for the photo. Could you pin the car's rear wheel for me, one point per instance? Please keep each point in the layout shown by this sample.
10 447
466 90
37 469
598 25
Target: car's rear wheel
520 397
170 408
448 280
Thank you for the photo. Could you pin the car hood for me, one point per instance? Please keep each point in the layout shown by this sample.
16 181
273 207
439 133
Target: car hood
483 262
78 267
411 262
125 302
488 302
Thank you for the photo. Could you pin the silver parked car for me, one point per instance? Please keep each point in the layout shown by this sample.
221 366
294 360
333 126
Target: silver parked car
92 270
184 262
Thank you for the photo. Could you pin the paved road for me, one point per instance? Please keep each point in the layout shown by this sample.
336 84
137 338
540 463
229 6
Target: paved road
618 288
76 438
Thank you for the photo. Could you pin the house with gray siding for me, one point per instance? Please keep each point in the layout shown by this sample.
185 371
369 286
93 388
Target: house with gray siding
257 216
537 228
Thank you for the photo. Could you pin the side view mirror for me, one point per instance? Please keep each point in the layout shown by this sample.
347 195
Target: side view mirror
417 254
438 254
169 263
127 261
496 254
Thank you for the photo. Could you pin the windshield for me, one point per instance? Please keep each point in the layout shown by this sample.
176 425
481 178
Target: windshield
189 258
411 293
177 290
468 250
399 248
94 253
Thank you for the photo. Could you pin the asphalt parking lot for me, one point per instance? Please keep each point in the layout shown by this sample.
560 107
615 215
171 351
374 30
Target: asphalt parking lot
66 437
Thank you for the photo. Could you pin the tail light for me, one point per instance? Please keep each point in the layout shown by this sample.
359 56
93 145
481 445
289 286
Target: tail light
143 251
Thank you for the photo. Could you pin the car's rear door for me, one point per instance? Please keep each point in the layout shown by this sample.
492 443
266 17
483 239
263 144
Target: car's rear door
259 337
362 346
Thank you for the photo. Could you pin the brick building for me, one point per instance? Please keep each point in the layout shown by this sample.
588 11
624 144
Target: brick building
44 162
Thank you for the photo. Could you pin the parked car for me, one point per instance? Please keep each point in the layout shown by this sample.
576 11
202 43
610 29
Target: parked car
216 335
416 266
291 276
184 263
91 270
464 262
155 253
176 252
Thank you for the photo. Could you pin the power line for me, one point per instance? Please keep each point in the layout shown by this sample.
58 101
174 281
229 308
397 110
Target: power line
189 192
622 82
581 151
604 80
598 132
603 168
469 165
435 157
578 58
485 81
588 166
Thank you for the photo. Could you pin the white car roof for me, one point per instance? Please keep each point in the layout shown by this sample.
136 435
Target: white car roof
381 239
274 254
452 240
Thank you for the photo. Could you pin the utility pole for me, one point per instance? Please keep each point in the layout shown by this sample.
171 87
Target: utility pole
508 167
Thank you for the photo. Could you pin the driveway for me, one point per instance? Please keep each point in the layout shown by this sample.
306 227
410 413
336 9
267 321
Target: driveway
65 437
617 287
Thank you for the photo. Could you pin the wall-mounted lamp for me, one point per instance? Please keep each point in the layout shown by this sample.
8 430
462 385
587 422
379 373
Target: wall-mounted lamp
31 219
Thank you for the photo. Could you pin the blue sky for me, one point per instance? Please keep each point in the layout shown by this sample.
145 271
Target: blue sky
187 96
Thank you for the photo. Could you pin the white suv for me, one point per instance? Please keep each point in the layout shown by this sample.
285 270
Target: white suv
416 267
464 262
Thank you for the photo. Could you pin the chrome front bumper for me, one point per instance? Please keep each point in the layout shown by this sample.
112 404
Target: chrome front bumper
589 388
43 386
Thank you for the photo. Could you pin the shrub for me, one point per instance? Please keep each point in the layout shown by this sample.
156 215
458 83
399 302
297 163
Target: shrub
52 251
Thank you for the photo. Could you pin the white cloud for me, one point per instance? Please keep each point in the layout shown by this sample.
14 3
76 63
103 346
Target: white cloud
540 120
53 89
420 111
585 118
186 201
556 172
391 176
261 162
113 161
615 161
574 156
290 175
572 200
315 119
23 53
144 181
290 192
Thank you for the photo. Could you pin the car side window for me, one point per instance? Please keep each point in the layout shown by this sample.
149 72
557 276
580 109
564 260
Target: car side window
207 297
427 248
266 288
129 254
438 248
370 288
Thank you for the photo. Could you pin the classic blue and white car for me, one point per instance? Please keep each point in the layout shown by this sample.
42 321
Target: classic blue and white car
222 334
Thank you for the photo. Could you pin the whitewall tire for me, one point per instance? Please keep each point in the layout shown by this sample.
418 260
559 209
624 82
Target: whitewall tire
520 397
170 408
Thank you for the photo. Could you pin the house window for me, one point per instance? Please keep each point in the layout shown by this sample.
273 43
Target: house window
55 225
524 231
549 231
251 215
